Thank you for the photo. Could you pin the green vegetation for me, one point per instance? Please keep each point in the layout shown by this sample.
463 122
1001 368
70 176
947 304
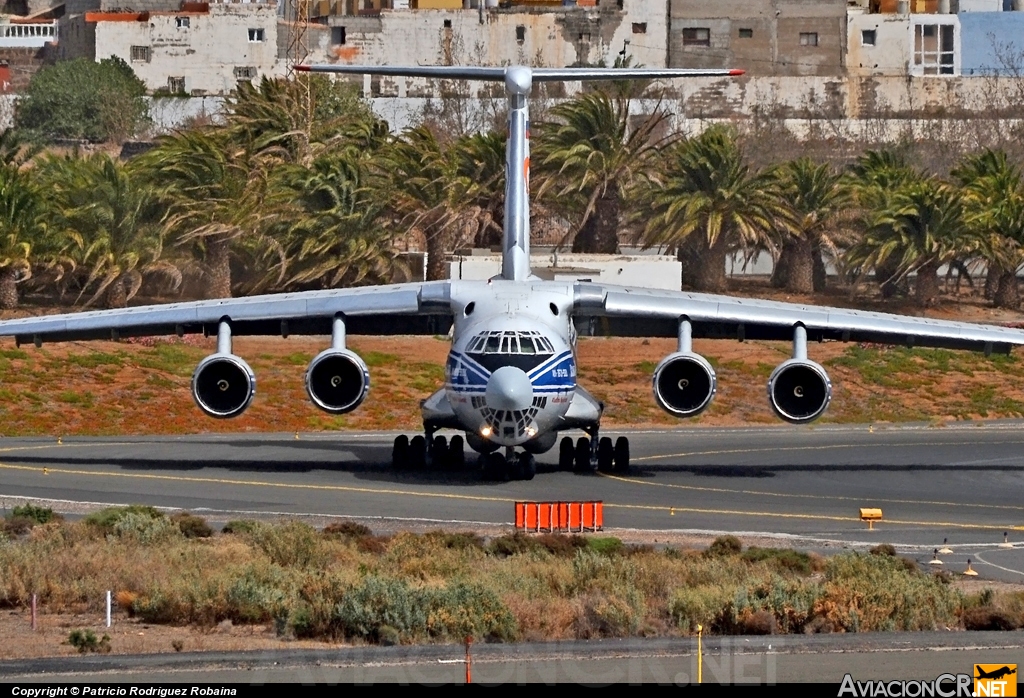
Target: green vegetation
344 583
84 100
85 641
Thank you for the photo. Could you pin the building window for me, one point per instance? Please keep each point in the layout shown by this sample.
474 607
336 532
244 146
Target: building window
338 35
746 33
697 36
256 35
140 54
585 36
808 38
245 72
181 22
176 85
867 37
520 34
639 27
934 49
447 24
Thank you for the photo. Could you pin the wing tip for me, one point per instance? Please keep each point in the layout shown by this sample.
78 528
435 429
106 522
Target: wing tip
734 71
302 68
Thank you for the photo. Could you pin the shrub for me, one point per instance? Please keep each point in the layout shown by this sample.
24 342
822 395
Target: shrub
107 519
886 549
86 641
605 546
514 544
990 618
462 540
560 545
83 100
289 544
724 546
17 525
40 515
192 526
240 526
254 599
347 529
780 558
145 529
468 610
379 602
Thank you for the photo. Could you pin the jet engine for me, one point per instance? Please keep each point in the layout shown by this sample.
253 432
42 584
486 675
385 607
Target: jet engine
337 381
799 391
223 385
684 384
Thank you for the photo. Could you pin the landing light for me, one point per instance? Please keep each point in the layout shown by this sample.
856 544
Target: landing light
485 432
531 431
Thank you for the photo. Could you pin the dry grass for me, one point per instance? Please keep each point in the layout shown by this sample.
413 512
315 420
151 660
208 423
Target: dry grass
441 586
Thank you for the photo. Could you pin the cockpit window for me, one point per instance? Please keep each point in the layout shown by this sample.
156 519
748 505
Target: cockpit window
499 342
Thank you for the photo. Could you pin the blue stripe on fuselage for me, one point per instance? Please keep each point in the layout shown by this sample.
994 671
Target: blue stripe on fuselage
556 375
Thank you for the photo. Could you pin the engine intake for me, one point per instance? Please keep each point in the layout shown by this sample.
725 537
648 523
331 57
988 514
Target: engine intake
799 391
337 381
223 385
684 384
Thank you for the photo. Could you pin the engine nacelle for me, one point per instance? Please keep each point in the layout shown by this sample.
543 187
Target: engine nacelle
684 384
223 385
799 391
337 381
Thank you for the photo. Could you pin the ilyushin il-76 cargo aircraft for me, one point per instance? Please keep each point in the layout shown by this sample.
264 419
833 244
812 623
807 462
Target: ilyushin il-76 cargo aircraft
510 379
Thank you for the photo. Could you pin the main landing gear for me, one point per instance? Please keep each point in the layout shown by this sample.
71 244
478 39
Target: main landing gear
592 453
413 454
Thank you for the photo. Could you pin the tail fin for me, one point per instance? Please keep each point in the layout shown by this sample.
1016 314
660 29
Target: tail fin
515 260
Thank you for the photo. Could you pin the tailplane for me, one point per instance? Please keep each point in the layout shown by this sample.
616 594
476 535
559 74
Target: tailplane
515 258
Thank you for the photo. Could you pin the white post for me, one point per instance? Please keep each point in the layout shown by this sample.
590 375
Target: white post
108 608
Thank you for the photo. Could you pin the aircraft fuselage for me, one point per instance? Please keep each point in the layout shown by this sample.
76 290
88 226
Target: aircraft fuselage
511 373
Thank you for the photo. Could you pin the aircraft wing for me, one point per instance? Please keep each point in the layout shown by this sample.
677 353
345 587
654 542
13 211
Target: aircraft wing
634 312
416 308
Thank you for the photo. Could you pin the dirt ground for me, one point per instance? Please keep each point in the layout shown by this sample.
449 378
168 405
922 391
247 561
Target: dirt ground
136 388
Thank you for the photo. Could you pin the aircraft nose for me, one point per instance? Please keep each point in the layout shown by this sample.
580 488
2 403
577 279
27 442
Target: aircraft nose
509 388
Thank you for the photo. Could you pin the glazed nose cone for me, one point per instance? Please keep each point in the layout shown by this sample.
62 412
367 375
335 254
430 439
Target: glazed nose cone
509 388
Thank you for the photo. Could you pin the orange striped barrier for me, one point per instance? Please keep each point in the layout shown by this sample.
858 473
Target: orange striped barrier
559 517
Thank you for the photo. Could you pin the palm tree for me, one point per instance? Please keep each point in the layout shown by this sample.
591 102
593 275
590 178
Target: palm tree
333 226
818 197
589 158
481 171
214 192
21 230
920 228
111 221
994 201
873 179
706 202
297 120
426 192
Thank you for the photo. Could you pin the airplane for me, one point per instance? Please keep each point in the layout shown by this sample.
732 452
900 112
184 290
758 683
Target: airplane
996 673
511 375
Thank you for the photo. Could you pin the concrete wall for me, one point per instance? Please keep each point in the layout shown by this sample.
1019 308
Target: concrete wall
206 53
760 36
548 37
645 271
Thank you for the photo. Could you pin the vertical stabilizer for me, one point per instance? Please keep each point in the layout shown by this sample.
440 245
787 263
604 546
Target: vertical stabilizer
515 253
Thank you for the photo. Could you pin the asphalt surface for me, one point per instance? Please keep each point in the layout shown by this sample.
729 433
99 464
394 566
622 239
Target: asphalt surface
964 484
765 660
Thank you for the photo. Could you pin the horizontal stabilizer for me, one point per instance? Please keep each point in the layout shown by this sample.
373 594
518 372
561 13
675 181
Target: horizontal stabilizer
450 72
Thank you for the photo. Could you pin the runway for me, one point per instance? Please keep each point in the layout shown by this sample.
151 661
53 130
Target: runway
805 485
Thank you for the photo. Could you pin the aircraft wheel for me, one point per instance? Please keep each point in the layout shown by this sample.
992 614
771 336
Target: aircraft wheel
583 455
605 454
527 466
418 453
439 453
566 453
457 453
621 454
400 453
495 467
